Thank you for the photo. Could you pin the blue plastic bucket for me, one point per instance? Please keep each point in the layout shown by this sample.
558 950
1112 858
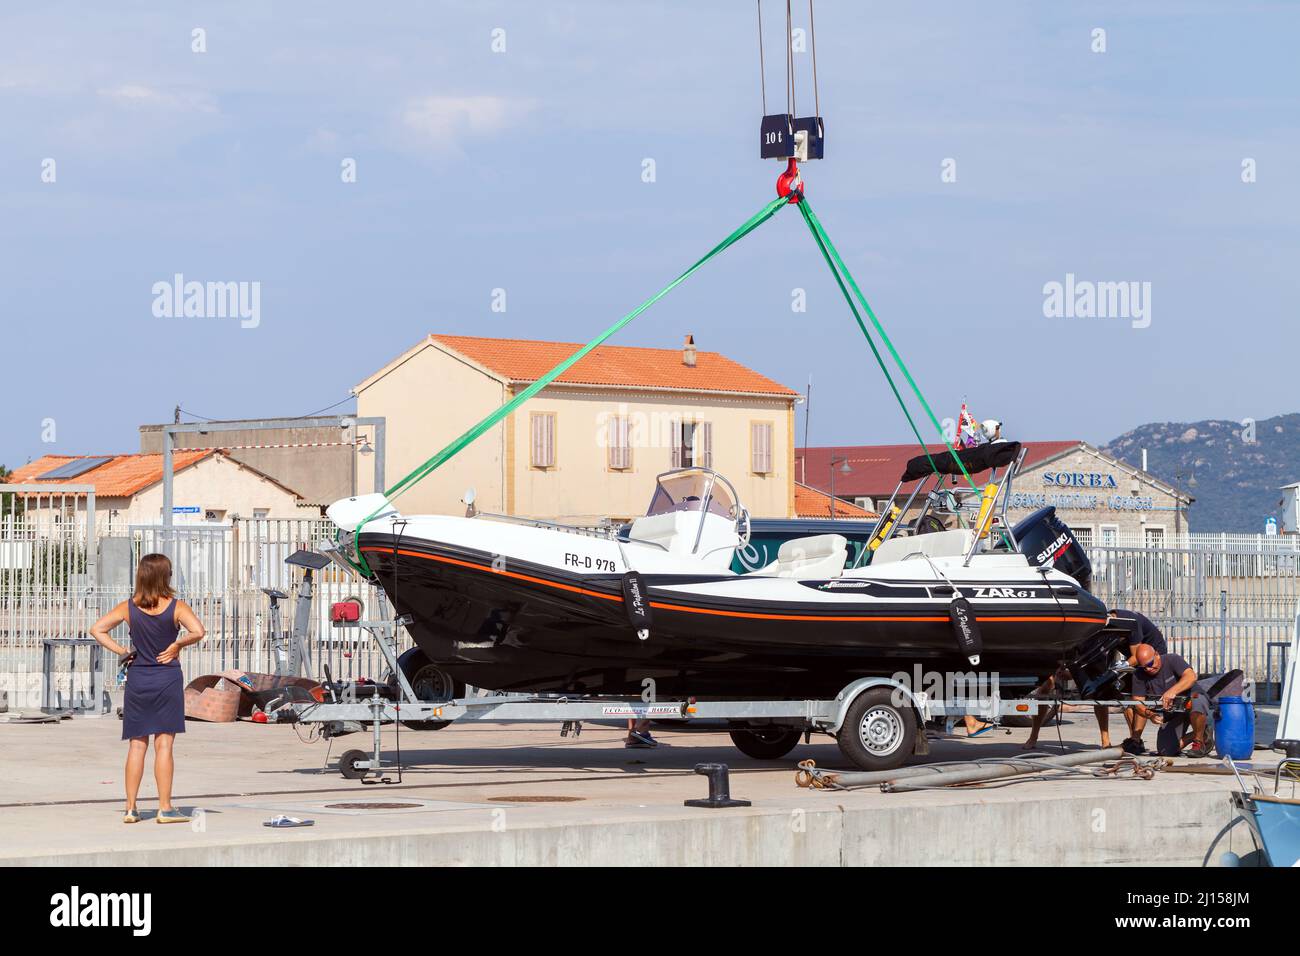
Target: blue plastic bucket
1234 728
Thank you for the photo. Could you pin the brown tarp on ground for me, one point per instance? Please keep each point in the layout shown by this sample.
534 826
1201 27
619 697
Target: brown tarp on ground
222 698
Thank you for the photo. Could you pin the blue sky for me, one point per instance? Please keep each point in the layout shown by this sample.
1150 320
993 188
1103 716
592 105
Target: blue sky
522 170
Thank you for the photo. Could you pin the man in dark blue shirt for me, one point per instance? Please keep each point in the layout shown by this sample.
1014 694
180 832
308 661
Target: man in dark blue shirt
1142 631
1168 676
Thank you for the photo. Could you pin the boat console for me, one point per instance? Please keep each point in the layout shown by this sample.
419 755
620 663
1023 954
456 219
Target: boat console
694 512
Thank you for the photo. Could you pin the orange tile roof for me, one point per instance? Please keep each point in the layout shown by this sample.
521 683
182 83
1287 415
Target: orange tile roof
120 477
522 360
811 503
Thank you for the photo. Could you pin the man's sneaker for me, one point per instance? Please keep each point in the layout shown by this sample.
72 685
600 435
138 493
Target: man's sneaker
639 740
1196 751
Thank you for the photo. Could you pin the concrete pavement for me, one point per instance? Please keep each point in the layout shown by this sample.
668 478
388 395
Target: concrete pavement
521 794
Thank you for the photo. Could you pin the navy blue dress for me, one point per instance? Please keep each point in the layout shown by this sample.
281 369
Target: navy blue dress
154 702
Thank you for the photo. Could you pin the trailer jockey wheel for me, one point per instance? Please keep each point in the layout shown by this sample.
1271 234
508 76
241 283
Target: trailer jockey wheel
349 764
876 733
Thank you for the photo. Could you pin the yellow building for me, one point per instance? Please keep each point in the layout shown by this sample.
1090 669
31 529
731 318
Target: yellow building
589 445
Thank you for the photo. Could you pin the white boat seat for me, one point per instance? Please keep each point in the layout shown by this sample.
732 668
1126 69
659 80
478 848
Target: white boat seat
937 544
663 529
816 556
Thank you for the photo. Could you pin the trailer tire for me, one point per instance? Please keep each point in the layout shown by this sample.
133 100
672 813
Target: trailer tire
766 743
348 764
430 683
877 734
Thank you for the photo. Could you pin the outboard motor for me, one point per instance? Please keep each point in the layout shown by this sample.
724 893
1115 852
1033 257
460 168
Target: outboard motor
1099 663
1045 539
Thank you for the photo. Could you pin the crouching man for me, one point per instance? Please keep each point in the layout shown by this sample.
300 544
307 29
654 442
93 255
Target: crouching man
1168 676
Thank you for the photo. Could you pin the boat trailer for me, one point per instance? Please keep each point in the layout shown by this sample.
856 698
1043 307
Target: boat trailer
890 717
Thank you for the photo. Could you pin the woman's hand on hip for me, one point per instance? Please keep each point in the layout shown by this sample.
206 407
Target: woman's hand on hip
169 653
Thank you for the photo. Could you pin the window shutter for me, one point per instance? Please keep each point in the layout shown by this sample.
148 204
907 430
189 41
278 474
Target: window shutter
677 444
704 444
760 437
543 441
620 453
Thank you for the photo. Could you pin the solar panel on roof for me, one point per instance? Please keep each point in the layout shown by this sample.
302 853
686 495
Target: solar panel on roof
70 469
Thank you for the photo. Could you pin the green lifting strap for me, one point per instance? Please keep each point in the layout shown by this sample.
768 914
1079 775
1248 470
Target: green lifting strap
838 268
884 369
476 431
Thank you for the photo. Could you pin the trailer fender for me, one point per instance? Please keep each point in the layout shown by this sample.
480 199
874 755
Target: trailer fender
844 699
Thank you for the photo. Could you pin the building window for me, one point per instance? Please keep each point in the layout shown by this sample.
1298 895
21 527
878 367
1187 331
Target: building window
1083 536
1109 535
692 444
619 443
760 448
1154 537
261 514
542 454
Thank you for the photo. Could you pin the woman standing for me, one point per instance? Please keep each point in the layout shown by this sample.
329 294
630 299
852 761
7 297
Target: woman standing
154 702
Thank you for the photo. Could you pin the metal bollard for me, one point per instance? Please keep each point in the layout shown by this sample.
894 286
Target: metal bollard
719 788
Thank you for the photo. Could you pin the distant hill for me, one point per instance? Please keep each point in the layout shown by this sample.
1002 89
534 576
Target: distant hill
1235 482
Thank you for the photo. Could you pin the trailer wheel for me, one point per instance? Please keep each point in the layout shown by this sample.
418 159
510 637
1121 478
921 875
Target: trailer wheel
766 743
877 734
431 685
349 764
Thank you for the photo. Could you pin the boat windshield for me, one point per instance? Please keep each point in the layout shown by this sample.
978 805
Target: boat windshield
692 490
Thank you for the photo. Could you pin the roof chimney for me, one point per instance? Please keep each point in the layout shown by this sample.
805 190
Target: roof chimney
688 352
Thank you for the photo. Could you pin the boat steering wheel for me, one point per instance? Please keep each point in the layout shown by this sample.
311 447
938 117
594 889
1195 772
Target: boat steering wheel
743 519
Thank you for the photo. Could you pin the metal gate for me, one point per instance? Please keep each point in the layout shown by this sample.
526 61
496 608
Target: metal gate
48 588
224 572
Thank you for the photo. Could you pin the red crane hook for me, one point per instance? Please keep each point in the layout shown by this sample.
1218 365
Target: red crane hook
790 182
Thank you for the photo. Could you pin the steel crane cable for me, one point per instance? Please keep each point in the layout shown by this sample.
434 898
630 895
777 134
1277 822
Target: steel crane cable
762 63
789 60
812 36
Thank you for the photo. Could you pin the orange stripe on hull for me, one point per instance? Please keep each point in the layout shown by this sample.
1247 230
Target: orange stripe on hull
472 565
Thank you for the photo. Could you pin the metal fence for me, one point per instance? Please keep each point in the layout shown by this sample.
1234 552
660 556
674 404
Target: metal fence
1222 601
224 572
1219 605
47 577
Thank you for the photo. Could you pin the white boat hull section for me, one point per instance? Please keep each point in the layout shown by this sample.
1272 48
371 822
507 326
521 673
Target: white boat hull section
990 578
569 551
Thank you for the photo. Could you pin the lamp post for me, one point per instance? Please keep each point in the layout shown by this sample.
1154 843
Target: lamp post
844 469
1178 508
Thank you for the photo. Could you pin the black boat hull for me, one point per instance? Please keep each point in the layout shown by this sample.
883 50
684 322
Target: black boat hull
538 629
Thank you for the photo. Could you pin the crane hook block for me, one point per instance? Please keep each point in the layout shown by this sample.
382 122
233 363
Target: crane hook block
785 137
777 137
812 143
